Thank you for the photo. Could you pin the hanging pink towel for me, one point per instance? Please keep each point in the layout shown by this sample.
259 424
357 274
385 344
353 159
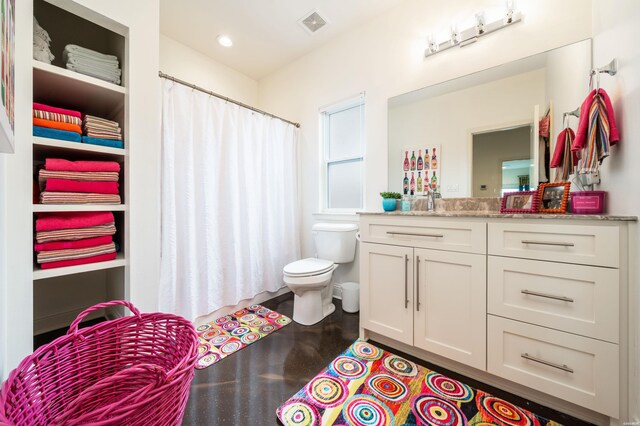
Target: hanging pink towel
64 185
559 151
74 262
81 166
47 108
583 126
72 220
69 245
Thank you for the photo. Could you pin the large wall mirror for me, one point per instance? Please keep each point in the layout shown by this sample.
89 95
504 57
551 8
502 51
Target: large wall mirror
492 131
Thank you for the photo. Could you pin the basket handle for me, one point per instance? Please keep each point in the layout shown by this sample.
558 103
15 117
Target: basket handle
73 328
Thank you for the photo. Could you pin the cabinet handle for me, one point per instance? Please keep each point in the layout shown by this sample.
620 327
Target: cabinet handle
406 289
562 367
548 296
548 243
417 283
413 234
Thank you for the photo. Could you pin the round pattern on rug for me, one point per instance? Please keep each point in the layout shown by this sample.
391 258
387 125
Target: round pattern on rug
254 307
272 315
208 335
250 338
203 349
267 328
207 360
348 368
248 317
203 327
448 388
230 325
400 366
283 321
240 331
263 311
433 410
299 413
258 322
493 408
220 340
240 313
221 320
366 410
388 387
365 351
327 391
230 347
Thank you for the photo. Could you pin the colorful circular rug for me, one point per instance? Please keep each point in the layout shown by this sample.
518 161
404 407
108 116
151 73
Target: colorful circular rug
366 386
227 335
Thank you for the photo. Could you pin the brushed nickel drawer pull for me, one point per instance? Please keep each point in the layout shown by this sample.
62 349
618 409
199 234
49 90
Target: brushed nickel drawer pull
406 289
413 234
548 243
562 367
417 283
548 296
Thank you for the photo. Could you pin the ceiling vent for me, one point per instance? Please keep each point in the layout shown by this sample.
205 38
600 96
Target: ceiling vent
313 22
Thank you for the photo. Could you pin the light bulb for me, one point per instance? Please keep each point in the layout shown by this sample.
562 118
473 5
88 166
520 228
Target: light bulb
225 41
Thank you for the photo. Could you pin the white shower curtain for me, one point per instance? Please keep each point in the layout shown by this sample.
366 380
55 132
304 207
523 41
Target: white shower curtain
229 202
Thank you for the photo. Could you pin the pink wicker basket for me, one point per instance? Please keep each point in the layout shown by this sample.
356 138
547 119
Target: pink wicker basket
134 370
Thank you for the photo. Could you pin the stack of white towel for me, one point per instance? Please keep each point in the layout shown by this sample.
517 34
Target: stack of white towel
89 62
41 44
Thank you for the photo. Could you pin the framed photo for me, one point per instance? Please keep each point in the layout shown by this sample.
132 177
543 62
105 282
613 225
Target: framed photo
519 202
553 197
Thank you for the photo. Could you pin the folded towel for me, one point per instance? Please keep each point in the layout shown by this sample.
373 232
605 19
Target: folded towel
43 107
66 245
74 48
52 116
93 73
43 175
101 127
112 68
113 143
76 233
49 197
104 135
71 254
99 120
71 220
64 185
57 125
81 166
74 262
45 132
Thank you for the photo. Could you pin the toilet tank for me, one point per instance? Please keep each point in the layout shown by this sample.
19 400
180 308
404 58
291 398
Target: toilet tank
335 241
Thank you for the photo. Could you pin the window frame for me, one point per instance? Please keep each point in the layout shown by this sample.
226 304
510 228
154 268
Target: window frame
352 102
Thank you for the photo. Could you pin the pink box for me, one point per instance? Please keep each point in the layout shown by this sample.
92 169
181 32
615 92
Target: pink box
587 202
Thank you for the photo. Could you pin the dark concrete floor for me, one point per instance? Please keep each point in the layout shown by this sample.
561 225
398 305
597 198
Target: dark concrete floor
247 387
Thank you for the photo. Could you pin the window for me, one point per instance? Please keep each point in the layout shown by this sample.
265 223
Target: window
343 145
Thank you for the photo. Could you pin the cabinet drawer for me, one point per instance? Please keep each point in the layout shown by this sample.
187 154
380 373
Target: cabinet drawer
573 298
589 245
574 368
469 237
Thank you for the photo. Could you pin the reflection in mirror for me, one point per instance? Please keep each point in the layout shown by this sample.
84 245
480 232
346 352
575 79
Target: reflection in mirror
506 116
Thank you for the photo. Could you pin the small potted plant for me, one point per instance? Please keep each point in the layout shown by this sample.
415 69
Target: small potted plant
390 200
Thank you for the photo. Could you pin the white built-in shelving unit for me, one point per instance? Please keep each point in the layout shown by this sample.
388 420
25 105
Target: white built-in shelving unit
79 287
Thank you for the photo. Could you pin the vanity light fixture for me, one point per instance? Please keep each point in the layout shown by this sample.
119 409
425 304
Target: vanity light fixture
225 40
471 35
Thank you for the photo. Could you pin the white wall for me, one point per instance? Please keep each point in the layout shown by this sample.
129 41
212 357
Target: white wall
451 118
616 32
384 58
187 64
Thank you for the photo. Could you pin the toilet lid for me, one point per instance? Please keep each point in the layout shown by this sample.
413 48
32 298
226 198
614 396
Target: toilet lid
309 266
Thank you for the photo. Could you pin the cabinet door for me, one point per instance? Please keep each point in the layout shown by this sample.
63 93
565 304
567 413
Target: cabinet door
386 304
450 312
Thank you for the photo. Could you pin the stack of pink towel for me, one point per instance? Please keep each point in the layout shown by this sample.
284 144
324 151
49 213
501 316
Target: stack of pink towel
68 239
79 182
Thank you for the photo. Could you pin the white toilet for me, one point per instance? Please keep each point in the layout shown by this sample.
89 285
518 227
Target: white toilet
311 279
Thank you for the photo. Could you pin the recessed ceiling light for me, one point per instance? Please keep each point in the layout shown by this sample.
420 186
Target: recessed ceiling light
225 41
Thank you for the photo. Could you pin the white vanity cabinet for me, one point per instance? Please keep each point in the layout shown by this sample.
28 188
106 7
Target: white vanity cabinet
534 304
430 298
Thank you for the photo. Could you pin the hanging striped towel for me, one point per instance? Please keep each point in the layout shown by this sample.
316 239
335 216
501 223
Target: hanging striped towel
564 160
598 145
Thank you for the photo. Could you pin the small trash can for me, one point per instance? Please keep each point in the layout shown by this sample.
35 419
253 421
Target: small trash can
351 297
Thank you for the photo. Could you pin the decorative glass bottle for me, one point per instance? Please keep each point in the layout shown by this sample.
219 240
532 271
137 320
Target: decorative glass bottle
405 165
420 162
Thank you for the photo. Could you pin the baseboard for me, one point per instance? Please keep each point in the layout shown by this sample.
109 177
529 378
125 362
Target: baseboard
60 320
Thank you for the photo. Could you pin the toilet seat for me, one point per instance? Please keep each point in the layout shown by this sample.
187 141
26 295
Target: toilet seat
308 267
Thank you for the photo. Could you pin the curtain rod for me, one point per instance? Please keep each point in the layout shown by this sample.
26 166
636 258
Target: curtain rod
209 92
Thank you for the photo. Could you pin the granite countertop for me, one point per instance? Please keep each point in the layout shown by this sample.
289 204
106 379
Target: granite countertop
498 215
486 208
